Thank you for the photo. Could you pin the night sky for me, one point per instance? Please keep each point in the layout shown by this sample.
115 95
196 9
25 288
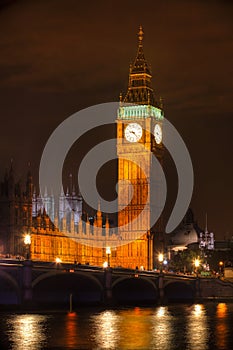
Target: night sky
59 56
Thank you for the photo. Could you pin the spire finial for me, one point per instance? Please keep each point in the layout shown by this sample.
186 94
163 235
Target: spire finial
206 223
99 211
120 97
140 35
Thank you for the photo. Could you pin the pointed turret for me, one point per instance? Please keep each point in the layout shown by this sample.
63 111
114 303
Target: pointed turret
98 214
107 225
98 219
29 184
206 223
139 87
107 228
45 192
34 203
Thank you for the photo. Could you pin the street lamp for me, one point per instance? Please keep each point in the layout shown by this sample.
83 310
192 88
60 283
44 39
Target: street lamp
58 262
27 242
160 258
108 253
220 267
196 264
165 262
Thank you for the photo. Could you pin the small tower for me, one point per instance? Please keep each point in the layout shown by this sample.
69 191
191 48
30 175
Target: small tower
98 222
29 184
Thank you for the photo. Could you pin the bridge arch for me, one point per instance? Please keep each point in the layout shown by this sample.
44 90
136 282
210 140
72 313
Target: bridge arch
134 289
10 293
179 291
56 288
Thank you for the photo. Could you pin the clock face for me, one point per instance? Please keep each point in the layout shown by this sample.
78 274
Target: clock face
158 134
133 132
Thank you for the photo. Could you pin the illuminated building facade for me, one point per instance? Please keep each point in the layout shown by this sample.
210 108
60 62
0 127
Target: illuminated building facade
139 134
60 232
22 211
69 206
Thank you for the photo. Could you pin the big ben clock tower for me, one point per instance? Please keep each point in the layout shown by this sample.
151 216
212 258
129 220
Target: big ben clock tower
139 137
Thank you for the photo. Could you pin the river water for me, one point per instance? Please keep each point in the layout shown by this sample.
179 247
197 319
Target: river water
192 327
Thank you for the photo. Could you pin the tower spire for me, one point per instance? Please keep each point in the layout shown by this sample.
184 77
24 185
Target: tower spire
139 87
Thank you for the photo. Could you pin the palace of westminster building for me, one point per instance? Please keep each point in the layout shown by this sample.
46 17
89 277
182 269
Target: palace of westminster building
60 231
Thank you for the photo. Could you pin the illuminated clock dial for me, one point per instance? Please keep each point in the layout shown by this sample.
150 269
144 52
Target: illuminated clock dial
158 134
133 132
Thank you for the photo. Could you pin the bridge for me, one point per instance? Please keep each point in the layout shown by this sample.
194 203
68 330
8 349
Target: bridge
44 284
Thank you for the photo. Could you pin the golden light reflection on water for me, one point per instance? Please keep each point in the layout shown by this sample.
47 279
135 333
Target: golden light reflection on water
124 329
197 333
194 327
221 326
71 329
26 332
135 328
221 310
162 333
106 329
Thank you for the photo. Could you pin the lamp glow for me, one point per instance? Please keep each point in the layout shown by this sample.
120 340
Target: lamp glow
197 263
105 264
108 250
108 253
27 239
160 257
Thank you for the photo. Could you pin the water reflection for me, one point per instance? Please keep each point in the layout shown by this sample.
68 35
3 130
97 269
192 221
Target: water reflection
27 331
221 326
122 329
106 329
71 329
162 332
195 327
135 328
197 333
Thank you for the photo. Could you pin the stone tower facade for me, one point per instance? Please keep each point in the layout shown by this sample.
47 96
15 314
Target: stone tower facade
139 116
